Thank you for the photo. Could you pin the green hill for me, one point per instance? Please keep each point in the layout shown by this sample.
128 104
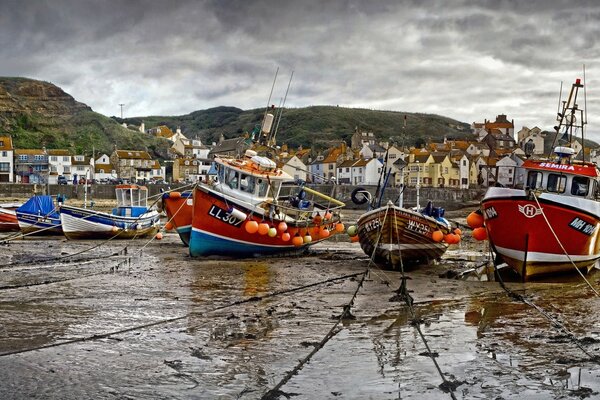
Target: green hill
316 126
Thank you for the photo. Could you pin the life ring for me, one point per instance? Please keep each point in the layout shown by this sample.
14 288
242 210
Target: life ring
364 197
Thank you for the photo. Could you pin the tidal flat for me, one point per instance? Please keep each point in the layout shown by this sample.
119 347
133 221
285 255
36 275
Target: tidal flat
139 320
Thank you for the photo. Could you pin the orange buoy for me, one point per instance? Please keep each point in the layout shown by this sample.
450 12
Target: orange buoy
339 227
263 228
175 195
457 231
479 233
285 237
251 226
449 238
475 220
354 238
314 231
317 218
328 215
297 241
158 236
282 227
437 236
169 226
324 233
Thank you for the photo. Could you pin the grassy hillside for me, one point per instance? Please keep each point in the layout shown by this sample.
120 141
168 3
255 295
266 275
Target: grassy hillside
315 126
39 114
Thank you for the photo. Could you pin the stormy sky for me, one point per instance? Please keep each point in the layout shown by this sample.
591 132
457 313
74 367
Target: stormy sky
468 60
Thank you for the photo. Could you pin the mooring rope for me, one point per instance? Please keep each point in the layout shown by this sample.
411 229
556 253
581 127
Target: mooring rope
554 322
562 247
169 320
275 392
416 322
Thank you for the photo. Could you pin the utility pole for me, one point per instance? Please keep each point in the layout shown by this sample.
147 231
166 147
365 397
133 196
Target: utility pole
121 104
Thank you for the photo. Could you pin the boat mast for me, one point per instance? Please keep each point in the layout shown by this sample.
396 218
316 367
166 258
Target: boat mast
272 136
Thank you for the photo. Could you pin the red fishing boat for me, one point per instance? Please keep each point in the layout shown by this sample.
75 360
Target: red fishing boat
8 217
179 208
249 211
548 222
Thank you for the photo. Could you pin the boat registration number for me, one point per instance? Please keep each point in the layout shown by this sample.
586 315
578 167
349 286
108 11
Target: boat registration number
223 215
582 226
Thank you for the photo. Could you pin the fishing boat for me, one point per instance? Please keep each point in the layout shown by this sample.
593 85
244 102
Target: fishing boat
8 217
547 223
39 216
179 208
398 238
130 219
249 211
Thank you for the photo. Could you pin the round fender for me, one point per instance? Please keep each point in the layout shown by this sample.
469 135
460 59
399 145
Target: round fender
360 196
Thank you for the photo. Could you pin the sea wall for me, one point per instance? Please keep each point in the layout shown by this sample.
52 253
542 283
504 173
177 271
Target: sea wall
449 198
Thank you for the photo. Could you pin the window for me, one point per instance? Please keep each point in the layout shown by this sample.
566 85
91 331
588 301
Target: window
247 183
330 166
66 158
263 187
23 157
445 170
556 183
347 169
4 167
392 156
5 154
232 178
510 171
464 163
534 180
38 157
580 186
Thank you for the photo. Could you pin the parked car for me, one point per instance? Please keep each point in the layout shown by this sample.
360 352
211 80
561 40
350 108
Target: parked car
62 180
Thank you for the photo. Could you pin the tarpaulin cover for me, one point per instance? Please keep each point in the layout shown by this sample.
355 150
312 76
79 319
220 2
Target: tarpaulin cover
39 205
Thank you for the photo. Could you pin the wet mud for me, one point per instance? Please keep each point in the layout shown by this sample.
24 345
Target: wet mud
111 323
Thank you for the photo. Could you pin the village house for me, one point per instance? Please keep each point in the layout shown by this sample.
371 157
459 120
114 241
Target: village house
82 167
359 138
104 171
6 159
294 167
132 165
418 168
31 166
186 169
501 124
60 164
164 132
534 137
323 168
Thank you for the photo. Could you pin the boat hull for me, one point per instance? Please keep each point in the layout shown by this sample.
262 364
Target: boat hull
397 237
216 232
521 237
37 225
81 223
8 220
179 211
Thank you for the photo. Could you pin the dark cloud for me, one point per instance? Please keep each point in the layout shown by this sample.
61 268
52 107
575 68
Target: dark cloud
468 59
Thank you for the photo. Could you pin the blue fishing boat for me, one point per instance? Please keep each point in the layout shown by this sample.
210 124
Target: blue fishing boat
39 216
130 219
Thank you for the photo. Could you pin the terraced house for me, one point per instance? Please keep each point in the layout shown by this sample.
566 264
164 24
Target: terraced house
31 166
132 165
6 159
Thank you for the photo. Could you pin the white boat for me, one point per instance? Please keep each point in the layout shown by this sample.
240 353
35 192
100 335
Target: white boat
130 219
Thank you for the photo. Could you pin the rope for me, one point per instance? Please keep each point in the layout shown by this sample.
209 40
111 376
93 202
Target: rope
169 320
416 322
562 247
555 323
276 392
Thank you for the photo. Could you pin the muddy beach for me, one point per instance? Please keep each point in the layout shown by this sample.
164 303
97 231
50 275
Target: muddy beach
139 320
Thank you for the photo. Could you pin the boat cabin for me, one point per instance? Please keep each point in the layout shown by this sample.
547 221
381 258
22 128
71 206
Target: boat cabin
253 179
562 176
132 200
